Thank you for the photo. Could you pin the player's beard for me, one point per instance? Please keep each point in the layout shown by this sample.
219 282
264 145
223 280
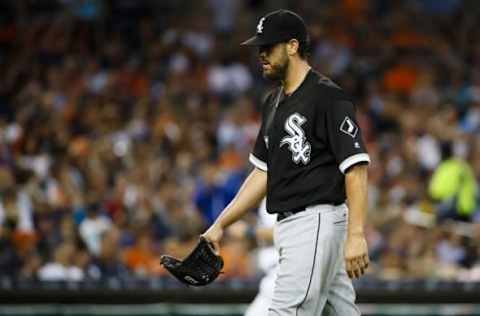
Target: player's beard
278 70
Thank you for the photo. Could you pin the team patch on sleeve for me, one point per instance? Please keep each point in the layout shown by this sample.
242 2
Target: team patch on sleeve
349 127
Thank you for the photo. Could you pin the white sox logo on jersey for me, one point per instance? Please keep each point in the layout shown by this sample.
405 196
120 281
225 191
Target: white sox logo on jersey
260 26
297 142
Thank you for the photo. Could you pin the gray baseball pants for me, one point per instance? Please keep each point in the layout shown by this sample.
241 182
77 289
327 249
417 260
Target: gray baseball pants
311 279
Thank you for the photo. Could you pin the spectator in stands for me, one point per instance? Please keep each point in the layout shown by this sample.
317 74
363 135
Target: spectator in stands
61 267
93 227
107 263
16 210
454 186
209 196
142 258
155 116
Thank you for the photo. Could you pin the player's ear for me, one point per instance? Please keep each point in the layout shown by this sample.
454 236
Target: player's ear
292 47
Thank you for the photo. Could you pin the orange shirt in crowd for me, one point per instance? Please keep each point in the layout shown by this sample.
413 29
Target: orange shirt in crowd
230 159
236 258
400 79
142 261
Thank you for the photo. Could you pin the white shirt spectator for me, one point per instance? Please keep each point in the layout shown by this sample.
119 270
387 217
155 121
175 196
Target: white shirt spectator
24 207
428 152
54 271
91 230
61 267
233 78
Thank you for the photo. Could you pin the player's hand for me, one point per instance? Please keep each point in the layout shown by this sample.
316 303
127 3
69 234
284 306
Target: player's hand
214 234
356 255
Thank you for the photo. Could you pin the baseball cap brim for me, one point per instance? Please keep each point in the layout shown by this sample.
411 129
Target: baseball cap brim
254 41
258 41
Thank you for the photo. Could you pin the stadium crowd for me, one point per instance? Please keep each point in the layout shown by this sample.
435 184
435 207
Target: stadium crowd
125 128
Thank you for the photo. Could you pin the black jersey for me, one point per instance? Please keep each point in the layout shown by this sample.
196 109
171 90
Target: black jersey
308 143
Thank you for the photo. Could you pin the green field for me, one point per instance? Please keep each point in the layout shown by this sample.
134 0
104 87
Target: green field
219 310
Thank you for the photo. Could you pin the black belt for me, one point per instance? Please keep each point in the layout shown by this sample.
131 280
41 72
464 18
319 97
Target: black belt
281 216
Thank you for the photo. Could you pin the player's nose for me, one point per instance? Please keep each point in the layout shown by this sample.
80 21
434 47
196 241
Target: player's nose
262 57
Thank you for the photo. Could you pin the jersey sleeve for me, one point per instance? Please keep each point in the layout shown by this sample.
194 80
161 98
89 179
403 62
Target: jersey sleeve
259 155
344 135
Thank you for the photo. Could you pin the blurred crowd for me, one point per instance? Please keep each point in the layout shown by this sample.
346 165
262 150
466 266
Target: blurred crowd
125 128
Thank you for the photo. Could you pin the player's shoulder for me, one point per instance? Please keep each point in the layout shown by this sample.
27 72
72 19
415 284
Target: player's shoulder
327 88
329 95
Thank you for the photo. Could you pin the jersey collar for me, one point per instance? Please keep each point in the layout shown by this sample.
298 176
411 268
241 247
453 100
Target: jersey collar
299 88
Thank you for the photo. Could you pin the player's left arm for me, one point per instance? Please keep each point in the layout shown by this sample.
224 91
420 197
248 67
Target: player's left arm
345 138
356 250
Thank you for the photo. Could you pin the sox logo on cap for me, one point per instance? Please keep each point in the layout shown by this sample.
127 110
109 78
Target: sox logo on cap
260 26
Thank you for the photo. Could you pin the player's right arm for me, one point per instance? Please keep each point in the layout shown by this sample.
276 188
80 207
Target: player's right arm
251 192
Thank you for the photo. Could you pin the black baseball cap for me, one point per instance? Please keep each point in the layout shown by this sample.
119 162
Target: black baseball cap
278 26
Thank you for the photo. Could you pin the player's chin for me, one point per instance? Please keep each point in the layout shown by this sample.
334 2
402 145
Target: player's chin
270 74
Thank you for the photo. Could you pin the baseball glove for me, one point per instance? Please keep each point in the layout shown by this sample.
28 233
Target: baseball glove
201 267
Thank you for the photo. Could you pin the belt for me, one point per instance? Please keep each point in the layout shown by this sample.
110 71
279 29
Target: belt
281 216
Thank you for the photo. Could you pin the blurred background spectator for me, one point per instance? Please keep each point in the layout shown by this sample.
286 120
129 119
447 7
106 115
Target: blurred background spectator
125 128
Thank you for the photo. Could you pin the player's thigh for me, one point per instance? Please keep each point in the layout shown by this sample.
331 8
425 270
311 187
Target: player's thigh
307 264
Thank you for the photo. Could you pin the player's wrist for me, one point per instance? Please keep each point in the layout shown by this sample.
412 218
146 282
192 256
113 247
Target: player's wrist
356 233
220 223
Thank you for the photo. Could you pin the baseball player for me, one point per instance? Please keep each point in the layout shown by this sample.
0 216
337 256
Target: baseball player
311 163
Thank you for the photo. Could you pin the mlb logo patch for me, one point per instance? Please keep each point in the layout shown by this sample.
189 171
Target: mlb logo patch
349 127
